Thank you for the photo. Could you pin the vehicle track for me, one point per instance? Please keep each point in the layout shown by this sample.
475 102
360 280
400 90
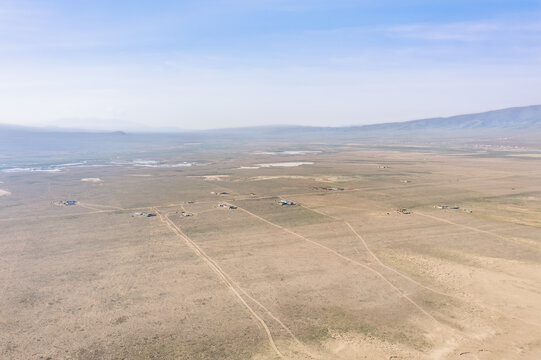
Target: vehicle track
380 275
415 281
231 285
110 207
506 238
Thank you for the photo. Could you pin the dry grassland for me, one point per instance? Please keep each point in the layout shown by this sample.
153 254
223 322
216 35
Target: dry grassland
340 275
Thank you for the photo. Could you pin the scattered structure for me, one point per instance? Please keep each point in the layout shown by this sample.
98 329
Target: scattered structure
230 207
287 203
443 207
144 214
403 211
332 188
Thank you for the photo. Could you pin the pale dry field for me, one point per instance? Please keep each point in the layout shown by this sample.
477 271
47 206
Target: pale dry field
340 275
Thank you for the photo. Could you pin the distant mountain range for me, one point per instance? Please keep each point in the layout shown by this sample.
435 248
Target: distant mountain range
511 121
515 118
29 145
518 118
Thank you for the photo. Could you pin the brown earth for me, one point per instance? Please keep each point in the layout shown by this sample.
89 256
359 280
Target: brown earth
340 275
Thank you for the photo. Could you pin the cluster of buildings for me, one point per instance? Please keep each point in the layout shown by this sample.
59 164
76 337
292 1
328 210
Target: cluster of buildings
230 207
443 207
144 214
403 211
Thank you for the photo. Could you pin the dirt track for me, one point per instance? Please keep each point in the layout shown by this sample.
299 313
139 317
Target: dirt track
341 275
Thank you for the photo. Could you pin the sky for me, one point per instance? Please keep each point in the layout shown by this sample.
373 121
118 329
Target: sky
138 65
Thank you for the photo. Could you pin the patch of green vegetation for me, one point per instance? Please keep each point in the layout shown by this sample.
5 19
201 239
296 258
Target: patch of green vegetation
337 320
411 339
512 218
448 255
509 209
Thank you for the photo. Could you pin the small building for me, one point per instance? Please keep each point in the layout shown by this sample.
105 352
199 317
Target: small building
144 214
69 202
441 207
287 203
454 208
231 207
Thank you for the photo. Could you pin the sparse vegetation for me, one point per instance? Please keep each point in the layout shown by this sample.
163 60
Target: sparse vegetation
339 272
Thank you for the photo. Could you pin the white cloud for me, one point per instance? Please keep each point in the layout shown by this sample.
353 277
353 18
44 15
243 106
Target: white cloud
469 31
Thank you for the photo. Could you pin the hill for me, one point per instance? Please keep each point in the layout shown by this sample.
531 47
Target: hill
520 124
516 118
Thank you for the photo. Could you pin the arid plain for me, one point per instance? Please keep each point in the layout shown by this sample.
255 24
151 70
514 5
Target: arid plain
339 275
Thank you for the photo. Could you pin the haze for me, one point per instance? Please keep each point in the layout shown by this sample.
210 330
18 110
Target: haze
270 180
148 66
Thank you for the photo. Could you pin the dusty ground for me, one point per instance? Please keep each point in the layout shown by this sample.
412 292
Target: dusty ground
340 275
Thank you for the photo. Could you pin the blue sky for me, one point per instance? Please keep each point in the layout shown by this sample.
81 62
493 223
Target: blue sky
161 65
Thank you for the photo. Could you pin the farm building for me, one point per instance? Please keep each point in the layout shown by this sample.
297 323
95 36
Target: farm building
144 214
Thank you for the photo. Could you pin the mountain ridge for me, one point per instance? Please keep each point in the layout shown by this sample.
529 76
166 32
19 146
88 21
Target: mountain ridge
516 118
